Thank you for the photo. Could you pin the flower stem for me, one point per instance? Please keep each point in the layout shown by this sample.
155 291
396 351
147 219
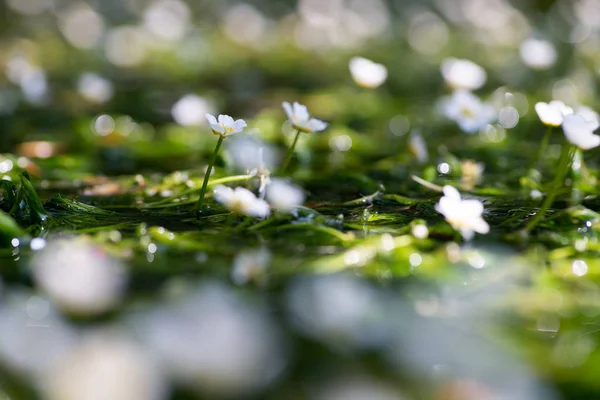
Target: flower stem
563 168
290 153
208 172
543 147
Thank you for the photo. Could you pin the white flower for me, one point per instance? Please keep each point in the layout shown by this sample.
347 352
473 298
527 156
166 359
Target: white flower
553 113
469 112
366 73
538 54
301 120
283 196
580 131
79 276
242 201
463 74
225 126
463 215
250 265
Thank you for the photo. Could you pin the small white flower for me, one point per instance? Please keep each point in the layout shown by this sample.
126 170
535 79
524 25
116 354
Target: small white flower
283 196
553 113
463 215
250 265
225 125
301 120
580 131
463 74
242 201
469 112
367 73
538 54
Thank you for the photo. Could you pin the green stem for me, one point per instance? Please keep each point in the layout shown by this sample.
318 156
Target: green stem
543 147
563 168
289 154
220 181
208 171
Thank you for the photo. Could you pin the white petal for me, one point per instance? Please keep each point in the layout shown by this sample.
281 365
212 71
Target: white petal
211 119
288 109
549 115
217 128
590 116
223 194
577 131
474 207
480 226
259 208
244 195
451 192
463 74
301 111
316 125
561 107
366 73
239 125
225 120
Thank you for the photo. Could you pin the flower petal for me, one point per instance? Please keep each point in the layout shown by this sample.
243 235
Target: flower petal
480 226
451 192
577 131
211 119
225 120
223 194
288 109
301 111
549 114
239 125
316 125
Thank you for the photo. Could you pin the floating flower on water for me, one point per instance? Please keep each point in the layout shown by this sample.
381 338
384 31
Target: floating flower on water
469 112
463 215
225 125
301 120
463 74
250 266
284 196
242 201
580 131
367 73
538 54
79 276
553 113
